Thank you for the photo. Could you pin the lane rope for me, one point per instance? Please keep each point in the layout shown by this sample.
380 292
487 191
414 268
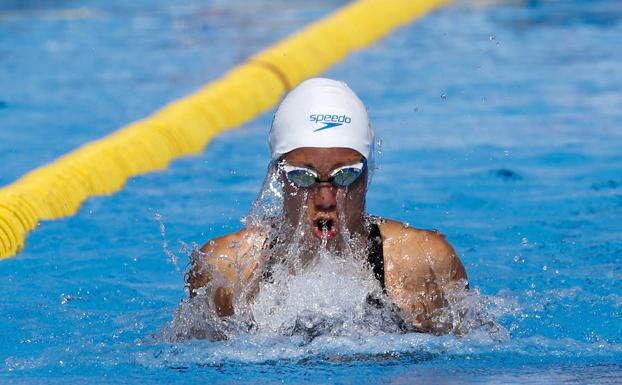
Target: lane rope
185 126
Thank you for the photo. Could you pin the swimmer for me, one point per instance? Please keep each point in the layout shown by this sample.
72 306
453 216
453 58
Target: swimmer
321 143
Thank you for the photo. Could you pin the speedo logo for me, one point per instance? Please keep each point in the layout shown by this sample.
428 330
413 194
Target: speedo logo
329 121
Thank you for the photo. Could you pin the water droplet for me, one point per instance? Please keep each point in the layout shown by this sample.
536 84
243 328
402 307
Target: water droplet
443 96
525 241
64 298
379 145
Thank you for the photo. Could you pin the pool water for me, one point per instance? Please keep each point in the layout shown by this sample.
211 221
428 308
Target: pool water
500 126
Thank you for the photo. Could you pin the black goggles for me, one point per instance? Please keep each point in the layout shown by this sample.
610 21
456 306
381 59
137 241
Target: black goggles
305 177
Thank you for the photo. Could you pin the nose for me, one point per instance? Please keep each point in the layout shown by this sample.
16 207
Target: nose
325 197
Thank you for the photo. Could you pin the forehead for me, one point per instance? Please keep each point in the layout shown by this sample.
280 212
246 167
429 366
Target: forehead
323 158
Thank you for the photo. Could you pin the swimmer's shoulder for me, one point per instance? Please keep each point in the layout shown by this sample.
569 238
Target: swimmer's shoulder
407 247
396 234
227 252
227 245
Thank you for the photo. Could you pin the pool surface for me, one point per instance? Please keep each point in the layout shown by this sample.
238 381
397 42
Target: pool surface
501 126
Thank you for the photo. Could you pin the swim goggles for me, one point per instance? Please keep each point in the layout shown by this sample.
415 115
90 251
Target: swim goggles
340 177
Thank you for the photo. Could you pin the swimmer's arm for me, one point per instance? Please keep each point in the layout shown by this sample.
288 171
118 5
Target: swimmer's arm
214 256
428 271
448 277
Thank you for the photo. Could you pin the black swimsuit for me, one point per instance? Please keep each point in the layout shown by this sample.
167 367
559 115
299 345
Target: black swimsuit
375 256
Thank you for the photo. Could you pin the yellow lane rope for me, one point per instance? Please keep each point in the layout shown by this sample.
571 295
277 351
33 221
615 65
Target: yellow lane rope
187 125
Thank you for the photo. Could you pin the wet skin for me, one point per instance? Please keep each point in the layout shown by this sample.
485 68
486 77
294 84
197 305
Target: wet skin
421 267
318 205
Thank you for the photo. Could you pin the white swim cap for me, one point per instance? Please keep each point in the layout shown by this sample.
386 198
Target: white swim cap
321 112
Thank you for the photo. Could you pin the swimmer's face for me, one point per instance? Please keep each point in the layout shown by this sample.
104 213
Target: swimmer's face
324 204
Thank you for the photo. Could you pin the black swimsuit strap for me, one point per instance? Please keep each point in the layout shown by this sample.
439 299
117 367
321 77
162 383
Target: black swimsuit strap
375 257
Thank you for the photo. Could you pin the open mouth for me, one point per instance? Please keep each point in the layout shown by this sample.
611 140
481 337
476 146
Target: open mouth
325 228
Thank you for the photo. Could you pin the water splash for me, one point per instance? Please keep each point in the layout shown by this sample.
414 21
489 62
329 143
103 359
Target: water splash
308 289
174 259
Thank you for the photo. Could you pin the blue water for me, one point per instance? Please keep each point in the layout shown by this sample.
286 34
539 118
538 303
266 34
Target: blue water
500 127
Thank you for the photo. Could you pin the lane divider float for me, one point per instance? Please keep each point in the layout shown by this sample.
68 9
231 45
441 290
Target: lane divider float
186 126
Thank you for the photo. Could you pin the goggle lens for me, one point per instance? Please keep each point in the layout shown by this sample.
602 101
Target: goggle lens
301 178
346 176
